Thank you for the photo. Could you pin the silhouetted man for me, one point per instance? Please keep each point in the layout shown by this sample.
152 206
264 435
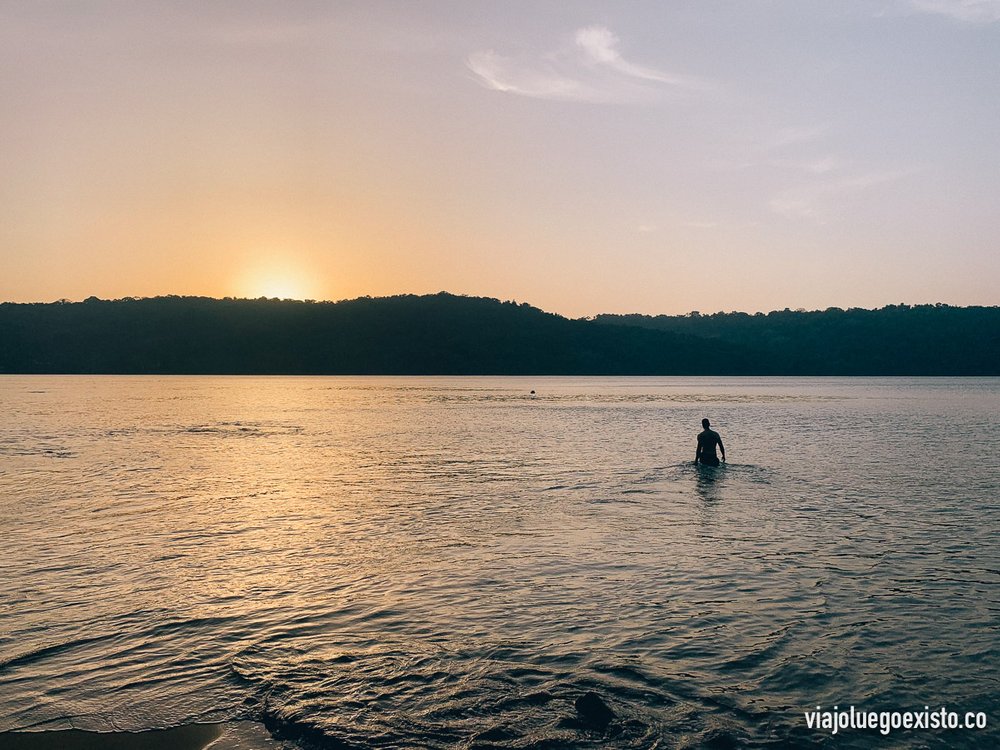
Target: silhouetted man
707 440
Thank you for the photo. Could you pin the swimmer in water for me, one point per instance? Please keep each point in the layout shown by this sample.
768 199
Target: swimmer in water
707 440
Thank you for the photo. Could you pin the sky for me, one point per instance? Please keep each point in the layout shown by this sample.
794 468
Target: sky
586 157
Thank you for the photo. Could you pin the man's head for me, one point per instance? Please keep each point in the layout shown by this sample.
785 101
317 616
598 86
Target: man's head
705 423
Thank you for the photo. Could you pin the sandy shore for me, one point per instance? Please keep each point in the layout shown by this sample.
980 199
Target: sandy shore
190 737
232 736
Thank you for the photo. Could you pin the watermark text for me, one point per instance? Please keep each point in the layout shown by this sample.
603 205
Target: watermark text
838 720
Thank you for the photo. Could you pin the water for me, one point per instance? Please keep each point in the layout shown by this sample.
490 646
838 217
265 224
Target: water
453 562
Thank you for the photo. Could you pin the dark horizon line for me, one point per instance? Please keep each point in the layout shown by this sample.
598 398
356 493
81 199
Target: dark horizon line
691 313
466 375
447 334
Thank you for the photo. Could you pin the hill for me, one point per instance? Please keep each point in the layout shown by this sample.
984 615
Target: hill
894 340
454 335
433 334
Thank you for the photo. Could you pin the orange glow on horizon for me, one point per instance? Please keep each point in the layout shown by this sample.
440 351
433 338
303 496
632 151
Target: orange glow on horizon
283 279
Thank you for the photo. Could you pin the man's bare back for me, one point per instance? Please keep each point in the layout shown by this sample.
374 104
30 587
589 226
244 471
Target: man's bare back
707 440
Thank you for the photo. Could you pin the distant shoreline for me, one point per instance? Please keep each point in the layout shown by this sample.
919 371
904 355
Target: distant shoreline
445 334
485 375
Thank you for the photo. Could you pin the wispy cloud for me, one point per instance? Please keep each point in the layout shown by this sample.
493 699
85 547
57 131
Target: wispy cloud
543 82
796 135
967 11
601 46
785 147
796 206
822 165
591 69
789 153
870 179
819 165
816 201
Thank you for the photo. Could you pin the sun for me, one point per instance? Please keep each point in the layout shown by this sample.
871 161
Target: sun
282 288
277 281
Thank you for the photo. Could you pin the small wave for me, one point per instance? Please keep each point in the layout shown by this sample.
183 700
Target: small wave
243 429
45 652
384 695
617 399
41 451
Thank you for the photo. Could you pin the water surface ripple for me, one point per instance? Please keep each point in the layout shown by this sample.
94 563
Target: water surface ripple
454 562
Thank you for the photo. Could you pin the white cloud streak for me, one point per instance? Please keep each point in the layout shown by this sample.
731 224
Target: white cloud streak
794 136
815 201
591 70
793 206
967 11
601 46
544 82
823 165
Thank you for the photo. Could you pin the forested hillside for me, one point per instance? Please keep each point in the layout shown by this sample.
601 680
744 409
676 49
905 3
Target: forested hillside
893 340
433 334
449 334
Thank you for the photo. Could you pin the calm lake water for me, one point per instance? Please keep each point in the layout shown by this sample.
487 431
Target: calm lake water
453 562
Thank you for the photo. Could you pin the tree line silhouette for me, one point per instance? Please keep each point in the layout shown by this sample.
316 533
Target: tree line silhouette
900 339
446 334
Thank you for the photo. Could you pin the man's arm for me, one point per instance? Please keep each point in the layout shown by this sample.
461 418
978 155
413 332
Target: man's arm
697 452
722 448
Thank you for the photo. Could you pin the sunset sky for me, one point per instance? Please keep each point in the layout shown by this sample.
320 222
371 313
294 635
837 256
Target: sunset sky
582 156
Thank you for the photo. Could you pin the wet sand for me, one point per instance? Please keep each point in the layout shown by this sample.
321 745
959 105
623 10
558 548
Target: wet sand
189 737
233 735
